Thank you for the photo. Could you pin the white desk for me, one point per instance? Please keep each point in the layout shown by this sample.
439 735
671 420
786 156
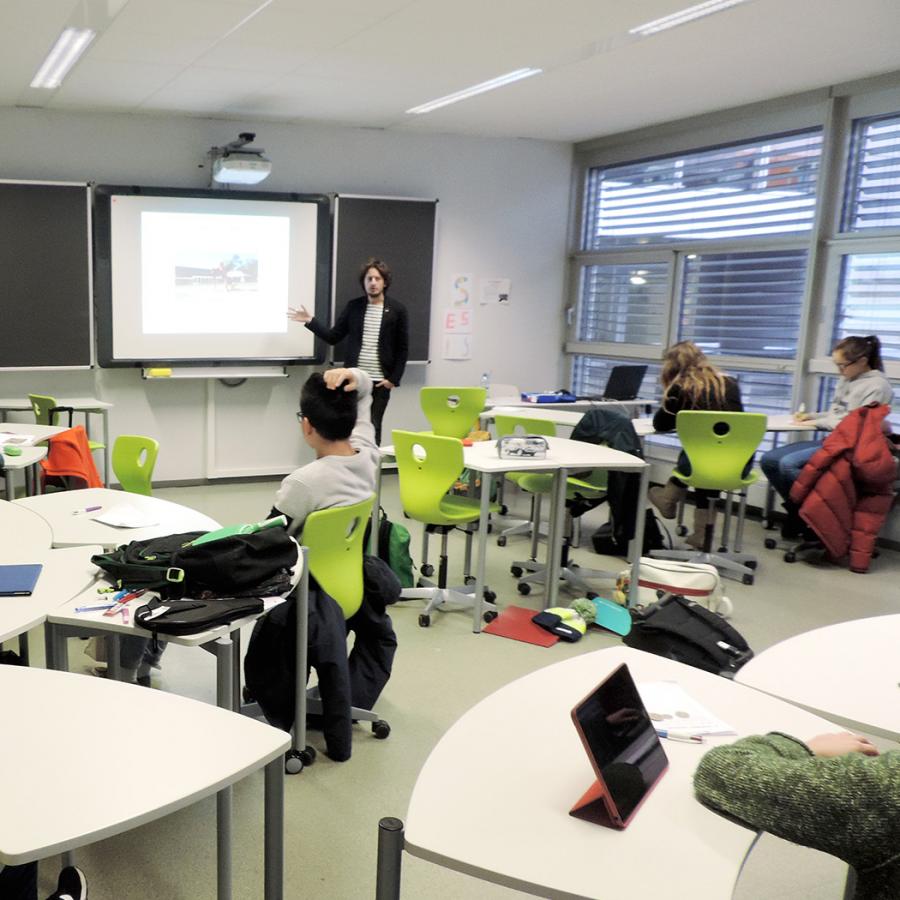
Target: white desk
22 529
71 531
86 405
574 406
30 456
849 672
566 417
72 792
492 799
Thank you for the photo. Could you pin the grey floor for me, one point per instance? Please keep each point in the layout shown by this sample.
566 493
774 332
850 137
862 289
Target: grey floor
332 809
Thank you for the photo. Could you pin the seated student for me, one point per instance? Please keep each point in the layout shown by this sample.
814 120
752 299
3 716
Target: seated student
690 381
834 793
862 382
20 883
335 417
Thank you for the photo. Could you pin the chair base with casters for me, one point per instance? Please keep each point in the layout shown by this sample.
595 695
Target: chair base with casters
438 594
731 563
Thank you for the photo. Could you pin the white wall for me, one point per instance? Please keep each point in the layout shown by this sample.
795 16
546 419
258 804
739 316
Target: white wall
502 213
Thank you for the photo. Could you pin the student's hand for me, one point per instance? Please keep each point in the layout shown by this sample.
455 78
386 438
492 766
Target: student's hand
334 378
301 315
385 384
802 416
841 743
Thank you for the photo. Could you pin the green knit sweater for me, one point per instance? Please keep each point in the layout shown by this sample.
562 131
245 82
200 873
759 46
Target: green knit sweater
848 806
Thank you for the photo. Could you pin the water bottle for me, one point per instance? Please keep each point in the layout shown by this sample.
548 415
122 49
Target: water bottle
486 381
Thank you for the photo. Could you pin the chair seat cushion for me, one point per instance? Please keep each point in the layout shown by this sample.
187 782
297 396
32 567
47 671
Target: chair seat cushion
461 509
534 482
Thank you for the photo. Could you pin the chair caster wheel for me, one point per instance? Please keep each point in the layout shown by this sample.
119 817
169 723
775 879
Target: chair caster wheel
504 510
490 528
516 571
722 550
489 597
427 570
681 530
524 588
751 564
424 620
790 556
746 579
469 579
489 616
501 541
380 729
295 761
770 543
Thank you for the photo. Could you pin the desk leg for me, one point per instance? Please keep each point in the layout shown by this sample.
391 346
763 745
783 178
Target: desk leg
637 543
10 485
376 506
236 670
770 493
555 536
483 520
302 603
390 853
274 830
113 668
23 648
105 414
224 698
55 648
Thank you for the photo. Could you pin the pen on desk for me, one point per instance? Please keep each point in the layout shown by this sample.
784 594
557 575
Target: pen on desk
125 617
684 738
87 509
79 609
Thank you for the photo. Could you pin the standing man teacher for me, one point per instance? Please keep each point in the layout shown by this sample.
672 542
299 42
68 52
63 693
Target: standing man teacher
377 332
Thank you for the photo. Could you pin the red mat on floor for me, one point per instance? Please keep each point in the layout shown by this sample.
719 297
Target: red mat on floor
515 622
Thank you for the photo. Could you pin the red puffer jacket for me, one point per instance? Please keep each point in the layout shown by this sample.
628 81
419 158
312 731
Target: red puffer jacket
846 490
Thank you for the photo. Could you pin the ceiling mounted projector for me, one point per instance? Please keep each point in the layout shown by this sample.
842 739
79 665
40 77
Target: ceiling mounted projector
236 163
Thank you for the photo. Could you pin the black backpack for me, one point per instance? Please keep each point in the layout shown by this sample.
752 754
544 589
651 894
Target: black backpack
687 632
241 565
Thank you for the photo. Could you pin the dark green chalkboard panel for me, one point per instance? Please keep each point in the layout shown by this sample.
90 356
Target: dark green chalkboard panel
45 301
399 231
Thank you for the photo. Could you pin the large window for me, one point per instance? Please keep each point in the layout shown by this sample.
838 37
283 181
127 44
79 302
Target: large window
743 304
752 189
869 300
873 180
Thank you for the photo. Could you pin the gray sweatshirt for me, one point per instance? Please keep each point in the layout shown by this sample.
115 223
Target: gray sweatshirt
335 480
870 387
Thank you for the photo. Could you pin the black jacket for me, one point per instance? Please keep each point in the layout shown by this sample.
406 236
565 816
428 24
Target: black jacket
393 339
664 418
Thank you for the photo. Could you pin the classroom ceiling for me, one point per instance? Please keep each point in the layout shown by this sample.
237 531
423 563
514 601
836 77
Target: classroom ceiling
364 62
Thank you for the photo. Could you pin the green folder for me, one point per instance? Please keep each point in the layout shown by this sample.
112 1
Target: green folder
231 530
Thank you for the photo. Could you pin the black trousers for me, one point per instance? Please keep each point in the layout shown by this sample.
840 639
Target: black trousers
380 397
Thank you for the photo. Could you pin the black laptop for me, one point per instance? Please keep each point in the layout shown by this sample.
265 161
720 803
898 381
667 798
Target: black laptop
624 382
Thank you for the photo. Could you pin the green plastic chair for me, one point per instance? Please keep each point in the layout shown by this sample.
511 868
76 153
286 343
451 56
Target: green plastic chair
451 411
428 465
46 412
718 445
133 461
334 538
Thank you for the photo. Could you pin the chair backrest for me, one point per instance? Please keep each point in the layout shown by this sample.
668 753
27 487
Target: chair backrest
133 460
451 411
506 425
334 538
718 445
42 407
428 466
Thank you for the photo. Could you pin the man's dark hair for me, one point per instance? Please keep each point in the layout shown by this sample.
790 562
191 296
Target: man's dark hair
331 412
383 270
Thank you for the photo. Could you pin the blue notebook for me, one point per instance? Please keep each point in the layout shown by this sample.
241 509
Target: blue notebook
19 581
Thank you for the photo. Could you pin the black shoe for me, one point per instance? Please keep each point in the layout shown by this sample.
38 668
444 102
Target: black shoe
792 526
71 883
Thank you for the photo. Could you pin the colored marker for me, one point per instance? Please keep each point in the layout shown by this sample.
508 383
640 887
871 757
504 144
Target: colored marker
684 738
87 509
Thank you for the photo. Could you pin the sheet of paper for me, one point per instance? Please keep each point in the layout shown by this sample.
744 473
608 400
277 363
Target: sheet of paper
17 440
124 516
672 708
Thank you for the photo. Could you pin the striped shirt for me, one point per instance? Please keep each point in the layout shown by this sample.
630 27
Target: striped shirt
368 354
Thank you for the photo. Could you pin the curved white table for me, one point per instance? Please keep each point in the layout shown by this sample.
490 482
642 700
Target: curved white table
492 799
22 529
849 672
74 530
65 574
64 794
29 457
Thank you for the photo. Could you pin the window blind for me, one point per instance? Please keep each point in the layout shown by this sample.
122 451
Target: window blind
756 188
873 179
744 304
869 299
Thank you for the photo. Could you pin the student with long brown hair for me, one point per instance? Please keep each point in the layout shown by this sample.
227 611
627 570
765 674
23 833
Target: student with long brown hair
862 382
690 381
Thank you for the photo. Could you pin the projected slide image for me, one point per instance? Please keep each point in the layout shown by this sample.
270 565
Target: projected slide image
214 273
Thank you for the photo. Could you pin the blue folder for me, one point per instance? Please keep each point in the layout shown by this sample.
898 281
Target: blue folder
19 581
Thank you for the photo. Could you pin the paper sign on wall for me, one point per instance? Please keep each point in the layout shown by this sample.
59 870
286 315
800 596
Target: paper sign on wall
457 320
495 290
461 289
457 346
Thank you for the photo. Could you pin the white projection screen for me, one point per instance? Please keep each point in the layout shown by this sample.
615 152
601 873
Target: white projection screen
206 276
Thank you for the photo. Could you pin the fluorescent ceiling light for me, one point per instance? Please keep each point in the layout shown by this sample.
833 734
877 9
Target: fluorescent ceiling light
464 94
684 15
65 53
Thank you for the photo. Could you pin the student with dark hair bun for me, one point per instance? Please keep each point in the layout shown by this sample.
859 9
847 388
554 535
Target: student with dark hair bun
862 382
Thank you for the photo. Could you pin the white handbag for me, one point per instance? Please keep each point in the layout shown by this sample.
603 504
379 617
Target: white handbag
696 581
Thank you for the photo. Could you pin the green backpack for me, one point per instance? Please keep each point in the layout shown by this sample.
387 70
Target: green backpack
393 548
